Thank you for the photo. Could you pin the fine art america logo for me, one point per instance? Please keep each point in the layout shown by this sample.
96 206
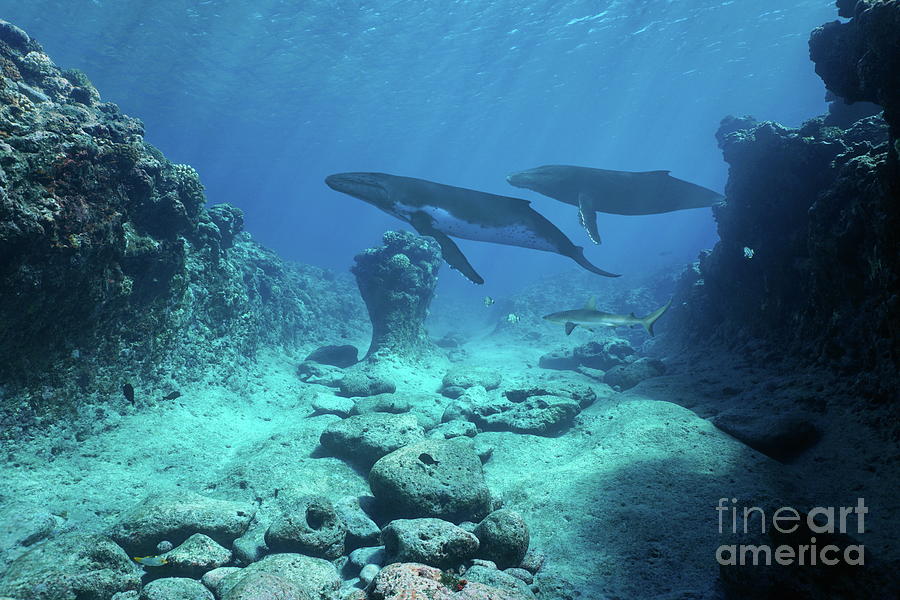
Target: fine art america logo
787 520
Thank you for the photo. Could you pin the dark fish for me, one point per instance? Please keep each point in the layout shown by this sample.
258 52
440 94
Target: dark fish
128 390
172 395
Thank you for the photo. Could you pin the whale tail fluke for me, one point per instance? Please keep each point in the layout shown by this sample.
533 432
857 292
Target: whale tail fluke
578 256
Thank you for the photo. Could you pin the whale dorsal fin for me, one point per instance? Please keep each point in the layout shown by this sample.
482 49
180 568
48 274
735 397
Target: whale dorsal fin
451 253
588 217
591 303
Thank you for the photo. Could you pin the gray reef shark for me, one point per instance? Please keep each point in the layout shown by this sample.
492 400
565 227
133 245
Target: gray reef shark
590 316
616 192
441 211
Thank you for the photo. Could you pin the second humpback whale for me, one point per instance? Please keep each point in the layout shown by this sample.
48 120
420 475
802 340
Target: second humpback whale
616 192
443 211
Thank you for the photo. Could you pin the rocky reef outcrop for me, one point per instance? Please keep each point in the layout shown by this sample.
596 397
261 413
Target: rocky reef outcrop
397 282
809 259
114 272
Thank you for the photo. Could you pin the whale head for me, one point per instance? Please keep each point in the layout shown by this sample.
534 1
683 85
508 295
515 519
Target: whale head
368 187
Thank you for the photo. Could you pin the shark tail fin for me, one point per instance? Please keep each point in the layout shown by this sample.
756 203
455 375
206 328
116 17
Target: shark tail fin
650 319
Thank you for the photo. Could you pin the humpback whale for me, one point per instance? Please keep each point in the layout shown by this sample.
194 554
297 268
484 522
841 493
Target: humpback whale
443 211
616 192
589 316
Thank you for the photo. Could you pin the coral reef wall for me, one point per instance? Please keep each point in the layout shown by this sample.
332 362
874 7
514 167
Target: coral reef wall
809 258
111 267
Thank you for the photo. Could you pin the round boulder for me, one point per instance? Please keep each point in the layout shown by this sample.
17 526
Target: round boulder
311 527
431 478
175 588
197 555
364 439
430 541
265 586
316 578
503 537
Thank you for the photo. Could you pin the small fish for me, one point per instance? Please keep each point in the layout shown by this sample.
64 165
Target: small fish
748 252
512 318
128 390
151 561
172 395
488 301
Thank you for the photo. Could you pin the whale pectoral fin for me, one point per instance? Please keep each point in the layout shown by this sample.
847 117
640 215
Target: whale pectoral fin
451 253
588 217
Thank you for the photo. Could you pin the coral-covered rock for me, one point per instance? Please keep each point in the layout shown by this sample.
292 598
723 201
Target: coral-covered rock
175 588
266 586
316 578
195 556
405 581
860 59
397 282
625 377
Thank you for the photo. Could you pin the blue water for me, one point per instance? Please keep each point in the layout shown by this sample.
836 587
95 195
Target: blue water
267 97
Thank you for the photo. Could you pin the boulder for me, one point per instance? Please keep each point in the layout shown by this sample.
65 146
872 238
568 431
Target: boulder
176 517
432 478
384 403
337 356
503 538
430 541
625 377
465 378
326 404
404 581
364 439
780 436
195 556
69 567
359 383
499 581
361 529
266 586
311 526
175 588
315 578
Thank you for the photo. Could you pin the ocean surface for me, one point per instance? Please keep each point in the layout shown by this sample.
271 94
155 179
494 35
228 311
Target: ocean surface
266 98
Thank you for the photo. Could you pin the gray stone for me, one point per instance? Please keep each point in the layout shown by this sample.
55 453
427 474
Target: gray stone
452 429
364 439
176 517
338 356
383 403
780 436
583 394
368 574
213 579
465 378
601 355
357 384
361 530
503 537
432 478
625 377
74 565
537 415
266 586
195 556
522 574
325 404
429 541
499 580
315 577
311 526
175 588
533 561
372 555
251 546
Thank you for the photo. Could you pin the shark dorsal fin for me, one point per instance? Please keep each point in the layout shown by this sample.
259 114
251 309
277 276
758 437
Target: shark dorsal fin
591 303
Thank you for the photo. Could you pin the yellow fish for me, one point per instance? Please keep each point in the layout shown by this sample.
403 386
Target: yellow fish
151 561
